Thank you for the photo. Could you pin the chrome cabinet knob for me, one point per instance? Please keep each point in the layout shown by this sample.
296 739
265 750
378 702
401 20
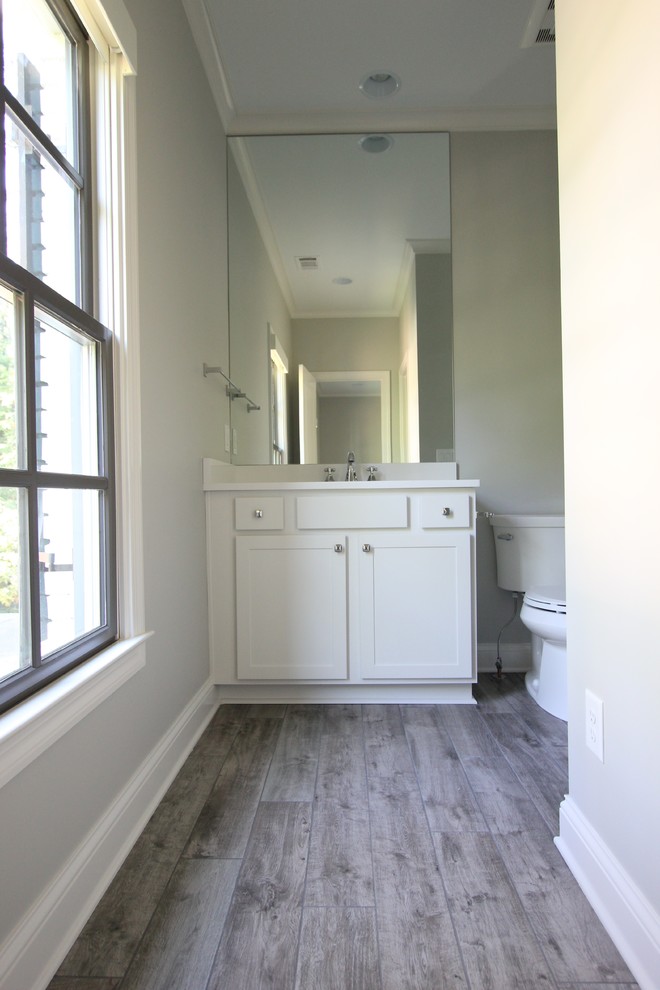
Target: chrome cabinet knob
366 547
446 511
339 547
259 513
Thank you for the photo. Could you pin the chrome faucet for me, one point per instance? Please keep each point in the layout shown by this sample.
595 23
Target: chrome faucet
351 474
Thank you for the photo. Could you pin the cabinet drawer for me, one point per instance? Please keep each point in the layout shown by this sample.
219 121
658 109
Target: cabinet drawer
353 512
445 511
259 513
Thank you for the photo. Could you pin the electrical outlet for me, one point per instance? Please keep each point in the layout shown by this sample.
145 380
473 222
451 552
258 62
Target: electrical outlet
234 441
594 725
227 439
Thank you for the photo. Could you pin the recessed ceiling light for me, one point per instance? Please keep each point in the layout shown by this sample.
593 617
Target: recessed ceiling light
342 280
378 85
375 143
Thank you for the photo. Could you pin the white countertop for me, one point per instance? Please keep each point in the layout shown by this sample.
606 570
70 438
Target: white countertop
228 477
345 486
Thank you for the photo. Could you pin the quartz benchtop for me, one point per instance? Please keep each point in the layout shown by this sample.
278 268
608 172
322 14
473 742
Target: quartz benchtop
220 477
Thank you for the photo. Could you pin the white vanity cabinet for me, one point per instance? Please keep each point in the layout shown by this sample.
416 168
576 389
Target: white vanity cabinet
342 592
291 618
413 607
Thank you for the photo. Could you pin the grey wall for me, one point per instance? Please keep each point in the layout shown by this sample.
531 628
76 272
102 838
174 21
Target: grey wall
435 346
507 336
349 423
361 344
49 808
255 301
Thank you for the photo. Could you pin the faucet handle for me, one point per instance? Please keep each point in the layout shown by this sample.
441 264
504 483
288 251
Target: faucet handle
371 476
329 473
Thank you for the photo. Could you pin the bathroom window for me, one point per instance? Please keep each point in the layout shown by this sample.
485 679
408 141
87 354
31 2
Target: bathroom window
57 495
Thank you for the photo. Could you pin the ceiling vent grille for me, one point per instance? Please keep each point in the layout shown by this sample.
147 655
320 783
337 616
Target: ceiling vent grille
307 262
541 25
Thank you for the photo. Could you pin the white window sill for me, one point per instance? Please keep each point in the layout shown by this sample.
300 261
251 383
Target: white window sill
30 728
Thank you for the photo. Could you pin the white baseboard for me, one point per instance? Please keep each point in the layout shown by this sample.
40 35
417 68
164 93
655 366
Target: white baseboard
42 938
515 657
631 921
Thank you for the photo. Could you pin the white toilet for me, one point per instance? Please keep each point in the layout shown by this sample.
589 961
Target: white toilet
530 559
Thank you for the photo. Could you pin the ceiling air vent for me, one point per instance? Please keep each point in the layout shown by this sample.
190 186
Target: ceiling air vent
307 262
540 28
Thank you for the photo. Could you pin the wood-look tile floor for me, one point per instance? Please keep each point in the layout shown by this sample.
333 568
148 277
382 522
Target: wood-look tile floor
374 847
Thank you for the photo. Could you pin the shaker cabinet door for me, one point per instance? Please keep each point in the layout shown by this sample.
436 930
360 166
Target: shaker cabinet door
291 607
414 609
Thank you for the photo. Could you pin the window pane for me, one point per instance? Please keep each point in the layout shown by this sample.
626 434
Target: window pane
12 433
39 70
69 566
42 214
67 417
15 652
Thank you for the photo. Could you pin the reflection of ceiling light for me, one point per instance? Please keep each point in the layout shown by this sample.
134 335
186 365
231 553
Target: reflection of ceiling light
342 280
376 143
378 85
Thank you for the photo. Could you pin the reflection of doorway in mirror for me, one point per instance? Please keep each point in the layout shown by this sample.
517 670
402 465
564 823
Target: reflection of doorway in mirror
279 367
351 410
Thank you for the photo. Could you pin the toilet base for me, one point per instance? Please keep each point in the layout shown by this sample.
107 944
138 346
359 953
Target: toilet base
547 682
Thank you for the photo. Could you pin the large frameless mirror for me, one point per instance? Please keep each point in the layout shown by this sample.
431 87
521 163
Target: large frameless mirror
340 297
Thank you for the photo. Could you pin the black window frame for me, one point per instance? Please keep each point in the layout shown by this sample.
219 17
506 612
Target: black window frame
78 314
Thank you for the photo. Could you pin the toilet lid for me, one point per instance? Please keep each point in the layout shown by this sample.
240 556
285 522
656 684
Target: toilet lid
551 599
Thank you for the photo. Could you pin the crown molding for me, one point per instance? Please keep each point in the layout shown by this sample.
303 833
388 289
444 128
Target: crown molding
440 119
338 122
209 53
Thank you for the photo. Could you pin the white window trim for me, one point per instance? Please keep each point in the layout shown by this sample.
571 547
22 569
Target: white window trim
31 727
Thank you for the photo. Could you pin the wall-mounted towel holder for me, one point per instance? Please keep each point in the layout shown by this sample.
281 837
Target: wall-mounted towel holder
232 390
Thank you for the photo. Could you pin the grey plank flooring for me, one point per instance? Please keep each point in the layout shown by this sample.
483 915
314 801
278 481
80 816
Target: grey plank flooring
179 945
338 948
258 948
355 847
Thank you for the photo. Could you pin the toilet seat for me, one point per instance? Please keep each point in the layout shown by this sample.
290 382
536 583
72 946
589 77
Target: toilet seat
548 599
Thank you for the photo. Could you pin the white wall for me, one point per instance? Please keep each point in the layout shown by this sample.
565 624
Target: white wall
609 164
507 338
409 402
49 809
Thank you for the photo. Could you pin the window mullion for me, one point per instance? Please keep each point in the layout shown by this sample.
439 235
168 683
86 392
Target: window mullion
22 119
31 476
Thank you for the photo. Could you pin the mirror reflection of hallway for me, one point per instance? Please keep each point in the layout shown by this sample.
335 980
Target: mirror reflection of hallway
341 411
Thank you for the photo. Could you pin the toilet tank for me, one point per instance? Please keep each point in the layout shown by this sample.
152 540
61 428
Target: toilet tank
529 551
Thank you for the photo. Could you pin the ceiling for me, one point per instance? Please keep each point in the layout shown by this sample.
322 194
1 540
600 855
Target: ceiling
286 67
340 225
296 65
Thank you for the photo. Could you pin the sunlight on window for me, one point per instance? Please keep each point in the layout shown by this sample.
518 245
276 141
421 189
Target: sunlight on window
39 69
15 653
67 418
12 438
41 214
69 565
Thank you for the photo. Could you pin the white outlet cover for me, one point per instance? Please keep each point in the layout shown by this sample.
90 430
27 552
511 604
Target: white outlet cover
594 725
